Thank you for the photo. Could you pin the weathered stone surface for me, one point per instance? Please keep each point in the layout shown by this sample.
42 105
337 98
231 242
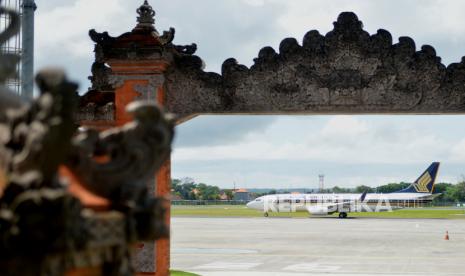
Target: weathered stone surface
135 152
94 113
138 48
345 71
41 222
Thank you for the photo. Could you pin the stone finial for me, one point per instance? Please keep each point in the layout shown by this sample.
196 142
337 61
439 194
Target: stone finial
146 19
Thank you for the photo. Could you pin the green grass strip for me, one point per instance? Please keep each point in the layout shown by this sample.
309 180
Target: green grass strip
181 273
242 211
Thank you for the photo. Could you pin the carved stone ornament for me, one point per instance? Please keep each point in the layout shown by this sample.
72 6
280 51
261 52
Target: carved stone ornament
345 71
44 228
146 17
148 92
134 153
143 41
143 44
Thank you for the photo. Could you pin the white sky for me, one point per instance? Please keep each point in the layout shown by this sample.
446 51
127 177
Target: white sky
278 152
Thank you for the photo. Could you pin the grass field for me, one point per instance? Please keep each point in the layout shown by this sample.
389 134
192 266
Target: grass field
181 273
242 211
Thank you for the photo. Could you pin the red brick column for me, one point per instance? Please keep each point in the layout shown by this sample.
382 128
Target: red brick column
163 246
144 80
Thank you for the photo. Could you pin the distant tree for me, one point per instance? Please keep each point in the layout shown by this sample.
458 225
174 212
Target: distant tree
207 192
440 188
339 190
187 189
392 187
363 188
213 193
184 188
456 192
272 192
175 184
229 194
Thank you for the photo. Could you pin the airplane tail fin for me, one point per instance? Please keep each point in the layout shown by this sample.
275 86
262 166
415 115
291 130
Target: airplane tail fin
424 183
362 198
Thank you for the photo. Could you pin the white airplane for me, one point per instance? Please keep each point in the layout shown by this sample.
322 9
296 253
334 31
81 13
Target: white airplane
415 195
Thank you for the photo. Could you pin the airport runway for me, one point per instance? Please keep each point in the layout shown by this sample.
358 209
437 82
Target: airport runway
330 246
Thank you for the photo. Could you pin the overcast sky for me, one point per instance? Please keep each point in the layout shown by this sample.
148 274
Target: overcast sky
278 151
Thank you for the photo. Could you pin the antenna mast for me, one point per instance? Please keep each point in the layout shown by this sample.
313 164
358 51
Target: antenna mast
322 183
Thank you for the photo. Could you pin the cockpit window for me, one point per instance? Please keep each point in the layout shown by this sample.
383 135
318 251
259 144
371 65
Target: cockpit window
258 199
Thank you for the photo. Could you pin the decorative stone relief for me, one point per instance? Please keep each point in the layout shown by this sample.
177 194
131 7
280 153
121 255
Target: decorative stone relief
148 92
145 258
345 71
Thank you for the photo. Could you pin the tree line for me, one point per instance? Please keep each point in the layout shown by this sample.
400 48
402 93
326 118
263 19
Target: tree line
449 192
188 189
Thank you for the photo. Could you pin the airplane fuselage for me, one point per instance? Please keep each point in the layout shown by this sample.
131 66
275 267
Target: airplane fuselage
339 202
416 194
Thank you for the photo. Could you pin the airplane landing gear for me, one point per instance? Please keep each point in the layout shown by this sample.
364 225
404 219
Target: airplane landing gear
342 215
265 214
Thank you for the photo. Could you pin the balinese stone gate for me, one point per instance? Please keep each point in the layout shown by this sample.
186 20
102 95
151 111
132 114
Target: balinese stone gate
346 71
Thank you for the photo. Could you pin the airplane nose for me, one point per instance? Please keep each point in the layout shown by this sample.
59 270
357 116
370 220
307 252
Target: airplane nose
249 205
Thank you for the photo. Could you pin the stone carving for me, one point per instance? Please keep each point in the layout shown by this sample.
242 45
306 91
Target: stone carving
187 49
345 71
134 153
148 92
44 228
145 260
91 112
91 107
146 16
126 46
33 196
143 43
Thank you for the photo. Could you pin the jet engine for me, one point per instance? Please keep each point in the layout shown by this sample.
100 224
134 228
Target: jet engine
319 210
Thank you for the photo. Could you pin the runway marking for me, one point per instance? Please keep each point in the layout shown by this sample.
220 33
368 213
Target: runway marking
311 267
228 266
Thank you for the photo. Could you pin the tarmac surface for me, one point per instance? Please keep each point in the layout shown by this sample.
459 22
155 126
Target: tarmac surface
314 246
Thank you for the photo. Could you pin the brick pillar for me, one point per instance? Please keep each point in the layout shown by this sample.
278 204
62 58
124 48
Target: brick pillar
163 246
143 80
